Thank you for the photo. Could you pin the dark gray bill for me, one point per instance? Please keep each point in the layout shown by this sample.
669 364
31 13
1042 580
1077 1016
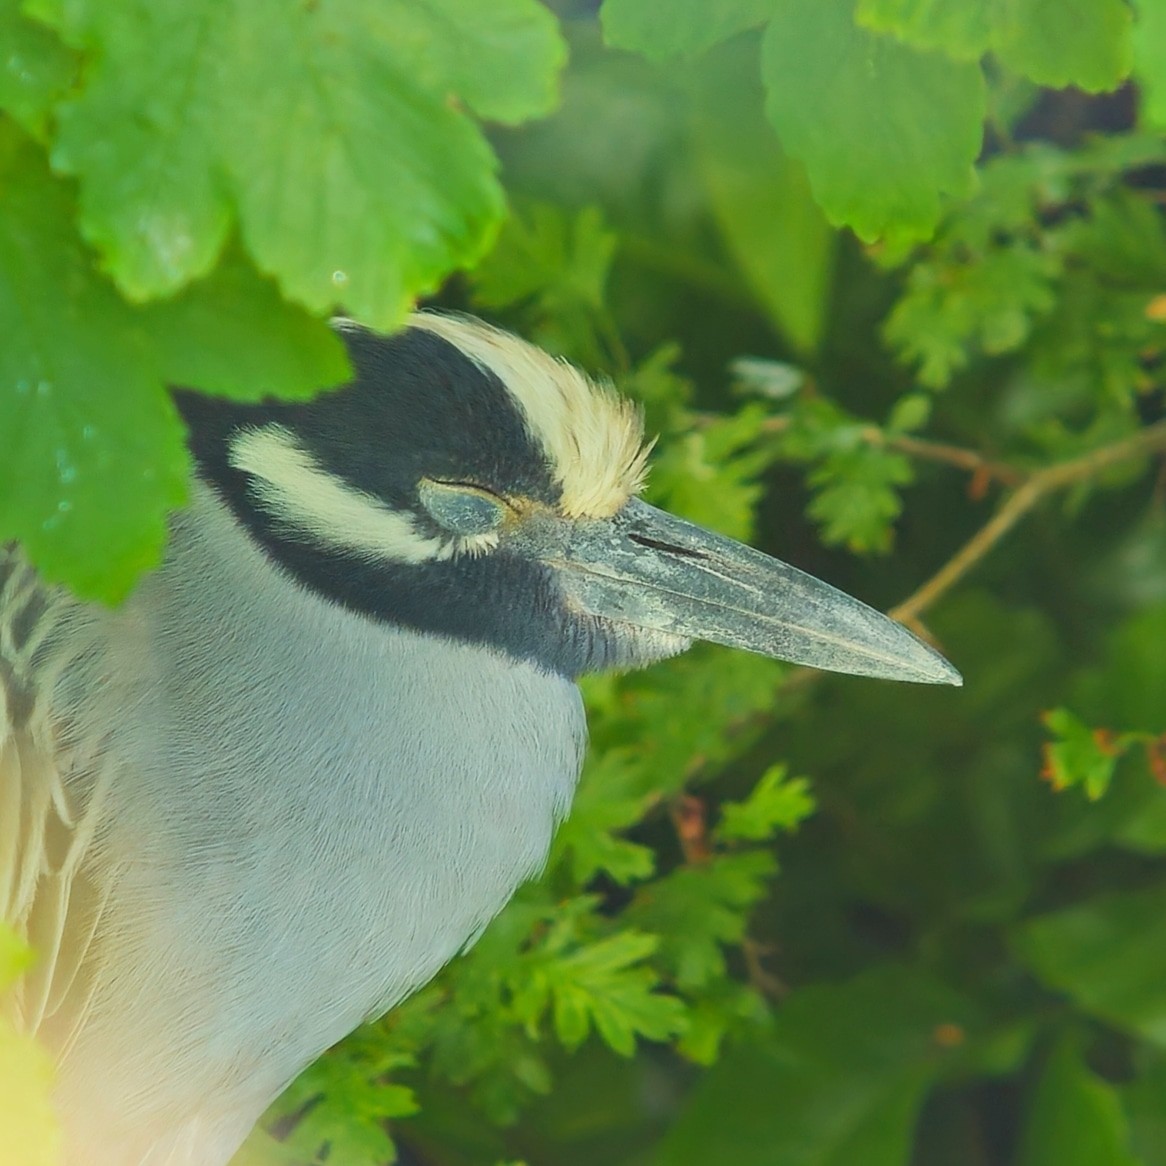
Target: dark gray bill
648 568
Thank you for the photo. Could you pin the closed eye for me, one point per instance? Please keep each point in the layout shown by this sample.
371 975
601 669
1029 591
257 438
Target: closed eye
462 508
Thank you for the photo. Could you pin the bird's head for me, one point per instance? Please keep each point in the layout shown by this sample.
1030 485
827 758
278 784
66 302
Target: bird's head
467 484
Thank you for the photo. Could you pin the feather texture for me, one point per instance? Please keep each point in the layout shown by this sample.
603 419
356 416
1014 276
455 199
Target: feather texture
210 832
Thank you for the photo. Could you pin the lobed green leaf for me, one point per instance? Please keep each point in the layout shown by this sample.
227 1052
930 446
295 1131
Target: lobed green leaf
194 115
684 28
1085 43
884 129
776 803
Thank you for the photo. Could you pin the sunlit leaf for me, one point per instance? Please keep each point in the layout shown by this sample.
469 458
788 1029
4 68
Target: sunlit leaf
884 130
196 114
1066 42
682 28
30 1134
92 451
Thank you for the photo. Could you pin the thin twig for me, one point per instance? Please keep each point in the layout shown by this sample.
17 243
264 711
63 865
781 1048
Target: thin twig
952 455
959 456
1039 485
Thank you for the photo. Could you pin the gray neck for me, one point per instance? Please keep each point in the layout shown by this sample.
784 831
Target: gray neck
316 811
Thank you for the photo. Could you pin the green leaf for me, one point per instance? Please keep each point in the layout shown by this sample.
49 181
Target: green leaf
232 334
503 59
761 200
546 255
35 70
1085 43
883 129
710 475
31 1137
91 449
602 985
1149 46
610 797
776 803
910 412
959 28
194 113
1079 755
988 302
345 1102
856 499
154 200
696 910
1075 1118
1107 954
1142 1101
682 28
839 1081
15 956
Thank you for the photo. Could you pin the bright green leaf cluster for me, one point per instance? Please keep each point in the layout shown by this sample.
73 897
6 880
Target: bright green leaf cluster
328 146
856 474
1000 266
777 803
884 129
884 100
351 1127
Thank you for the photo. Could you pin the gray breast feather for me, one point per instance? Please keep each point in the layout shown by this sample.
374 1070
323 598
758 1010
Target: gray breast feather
241 925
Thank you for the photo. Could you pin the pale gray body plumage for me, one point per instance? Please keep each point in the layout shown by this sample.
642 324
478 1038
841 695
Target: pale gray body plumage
312 877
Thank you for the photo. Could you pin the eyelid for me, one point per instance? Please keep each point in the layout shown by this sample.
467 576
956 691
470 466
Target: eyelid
473 488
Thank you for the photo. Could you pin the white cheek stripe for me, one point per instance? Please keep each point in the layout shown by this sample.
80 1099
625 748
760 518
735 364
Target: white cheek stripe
310 504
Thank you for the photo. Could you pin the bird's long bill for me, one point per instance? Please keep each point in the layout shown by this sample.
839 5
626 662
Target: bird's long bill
648 568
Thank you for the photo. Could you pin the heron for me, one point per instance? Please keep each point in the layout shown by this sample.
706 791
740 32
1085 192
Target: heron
316 751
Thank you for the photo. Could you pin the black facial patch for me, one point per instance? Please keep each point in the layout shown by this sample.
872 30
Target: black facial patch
418 407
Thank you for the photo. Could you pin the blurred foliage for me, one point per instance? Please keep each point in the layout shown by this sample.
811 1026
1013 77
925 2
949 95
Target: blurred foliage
922 954
26 1117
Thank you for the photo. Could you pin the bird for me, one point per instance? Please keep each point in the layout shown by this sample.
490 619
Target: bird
316 751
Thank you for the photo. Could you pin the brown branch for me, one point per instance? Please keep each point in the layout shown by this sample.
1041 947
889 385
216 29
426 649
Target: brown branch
952 455
1038 486
970 460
